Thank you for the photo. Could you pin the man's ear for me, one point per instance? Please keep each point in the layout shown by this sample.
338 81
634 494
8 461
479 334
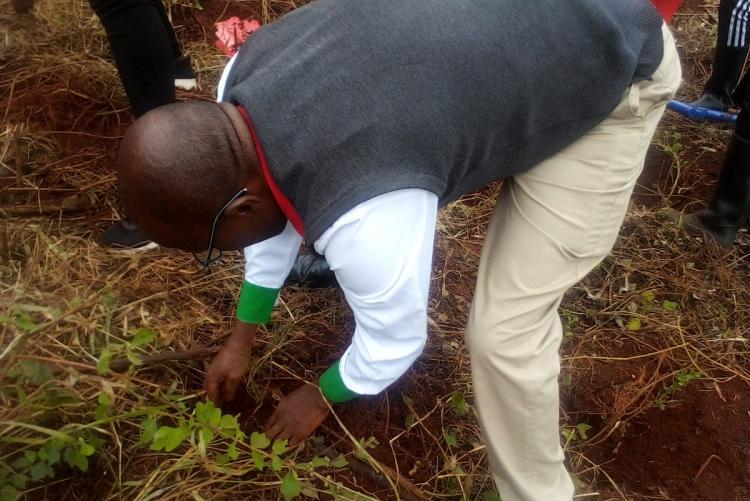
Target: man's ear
243 206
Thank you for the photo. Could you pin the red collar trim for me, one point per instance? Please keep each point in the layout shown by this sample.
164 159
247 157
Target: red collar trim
284 204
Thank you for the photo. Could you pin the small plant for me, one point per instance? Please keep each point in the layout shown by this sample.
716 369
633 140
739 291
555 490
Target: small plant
458 403
575 433
681 380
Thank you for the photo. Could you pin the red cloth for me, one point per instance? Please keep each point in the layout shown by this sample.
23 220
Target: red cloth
232 32
667 8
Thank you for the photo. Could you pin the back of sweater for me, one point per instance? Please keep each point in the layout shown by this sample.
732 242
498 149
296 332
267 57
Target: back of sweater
355 98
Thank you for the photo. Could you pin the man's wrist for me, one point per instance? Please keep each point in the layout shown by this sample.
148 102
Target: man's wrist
243 335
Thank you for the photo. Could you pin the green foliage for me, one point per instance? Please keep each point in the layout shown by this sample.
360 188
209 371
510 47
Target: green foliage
458 403
290 487
634 324
681 380
575 433
451 436
490 496
210 430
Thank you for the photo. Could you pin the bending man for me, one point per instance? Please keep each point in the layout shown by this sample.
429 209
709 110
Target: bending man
350 136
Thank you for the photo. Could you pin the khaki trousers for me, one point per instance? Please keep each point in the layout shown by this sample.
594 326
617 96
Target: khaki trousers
552 225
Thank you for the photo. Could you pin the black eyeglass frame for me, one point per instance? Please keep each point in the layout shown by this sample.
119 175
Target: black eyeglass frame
208 261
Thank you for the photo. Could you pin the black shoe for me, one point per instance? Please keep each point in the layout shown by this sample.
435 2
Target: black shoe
711 101
730 205
312 270
125 236
184 76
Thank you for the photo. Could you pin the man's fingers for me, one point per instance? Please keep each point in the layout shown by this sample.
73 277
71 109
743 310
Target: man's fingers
272 420
212 388
274 430
230 388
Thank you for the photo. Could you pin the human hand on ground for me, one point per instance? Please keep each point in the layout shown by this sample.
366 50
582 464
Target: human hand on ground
297 415
229 366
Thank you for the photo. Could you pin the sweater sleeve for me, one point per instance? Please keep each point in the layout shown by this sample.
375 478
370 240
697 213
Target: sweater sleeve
381 252
267 265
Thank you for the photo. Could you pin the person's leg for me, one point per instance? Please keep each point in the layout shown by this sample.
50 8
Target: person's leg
143 52
184 76
729 207
552 225
731 52
142 49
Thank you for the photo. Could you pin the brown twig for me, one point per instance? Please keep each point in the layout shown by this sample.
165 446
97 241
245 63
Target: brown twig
705 464
123 363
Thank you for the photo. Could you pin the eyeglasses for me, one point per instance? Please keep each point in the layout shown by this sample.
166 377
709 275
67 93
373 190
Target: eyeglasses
212 255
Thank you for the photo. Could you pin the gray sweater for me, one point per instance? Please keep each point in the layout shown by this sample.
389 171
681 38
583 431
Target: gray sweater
355 98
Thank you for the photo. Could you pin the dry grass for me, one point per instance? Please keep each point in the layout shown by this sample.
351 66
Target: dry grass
64 300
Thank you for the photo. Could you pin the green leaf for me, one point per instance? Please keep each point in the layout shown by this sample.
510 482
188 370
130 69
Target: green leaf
459 403
290 487
276 463
36 372
87 449
74 458
409 420
208 414
279 447
490 496
207 435
134 358
53 457
221 459
23 321
40 471
232 452
582 429
647 299
30 456
102 366
229 423
568 433
634 324
168 438
670 305
104 399
19 481
258 460
339 462
148 429
318 462
9 493
259 440
142 337
102 412
450 439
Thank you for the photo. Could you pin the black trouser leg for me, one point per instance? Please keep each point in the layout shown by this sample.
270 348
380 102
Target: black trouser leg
731 49
730 206
143 45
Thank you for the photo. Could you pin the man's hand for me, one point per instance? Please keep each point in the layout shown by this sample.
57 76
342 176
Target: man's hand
297 415
230 365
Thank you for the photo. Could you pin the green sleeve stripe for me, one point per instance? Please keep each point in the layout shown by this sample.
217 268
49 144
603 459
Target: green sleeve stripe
256 303
333 386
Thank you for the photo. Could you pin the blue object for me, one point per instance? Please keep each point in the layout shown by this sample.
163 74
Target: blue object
698 113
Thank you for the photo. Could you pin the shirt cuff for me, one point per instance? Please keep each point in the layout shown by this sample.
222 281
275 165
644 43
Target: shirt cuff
256 303
333 386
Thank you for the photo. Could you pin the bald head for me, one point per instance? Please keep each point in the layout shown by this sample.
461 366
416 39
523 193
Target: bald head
181 162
